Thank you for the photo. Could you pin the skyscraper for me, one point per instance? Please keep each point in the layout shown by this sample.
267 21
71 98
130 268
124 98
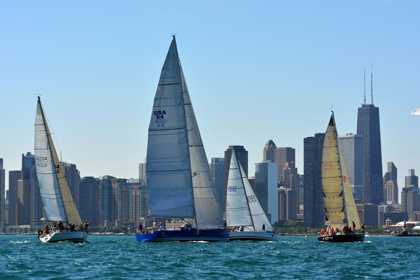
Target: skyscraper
390 183
313 196
2 192
286 204
369 127
266 188
268 153
89 200
14 177
217 169
107 199
352 150
72 175
410 197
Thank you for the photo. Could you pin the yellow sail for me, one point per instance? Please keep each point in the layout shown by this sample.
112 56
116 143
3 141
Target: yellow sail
340 208
69 206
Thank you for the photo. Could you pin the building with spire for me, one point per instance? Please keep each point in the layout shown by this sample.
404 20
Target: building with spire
268 153
369 127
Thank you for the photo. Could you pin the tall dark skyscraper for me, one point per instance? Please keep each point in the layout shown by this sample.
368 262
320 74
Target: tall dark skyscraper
268 152
368 126
2 192
313 196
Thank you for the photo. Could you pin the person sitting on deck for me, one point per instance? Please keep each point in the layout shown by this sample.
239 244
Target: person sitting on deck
354 225
322 232
241 228
160 226
263 227
73 227
47 229
363 227
140 228
54 228
332 231
154 225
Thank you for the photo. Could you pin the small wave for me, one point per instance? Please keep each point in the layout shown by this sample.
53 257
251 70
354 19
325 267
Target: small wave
19 242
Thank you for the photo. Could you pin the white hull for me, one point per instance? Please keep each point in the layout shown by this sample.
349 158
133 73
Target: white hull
73 236
253 235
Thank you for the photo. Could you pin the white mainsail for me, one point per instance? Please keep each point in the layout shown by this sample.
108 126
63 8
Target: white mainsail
237 209
56 197
242 205
179 184
340 208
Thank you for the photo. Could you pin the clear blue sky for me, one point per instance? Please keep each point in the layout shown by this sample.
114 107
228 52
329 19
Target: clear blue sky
256 70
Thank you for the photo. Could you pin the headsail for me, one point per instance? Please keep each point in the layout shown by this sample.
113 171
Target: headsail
168 165
207 208
340 208
55 194
259 218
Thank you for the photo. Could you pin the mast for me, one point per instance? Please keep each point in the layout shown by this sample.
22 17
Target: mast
186 132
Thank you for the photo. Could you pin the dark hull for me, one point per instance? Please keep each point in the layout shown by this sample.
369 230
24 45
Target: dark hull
209 235
343 238
404 233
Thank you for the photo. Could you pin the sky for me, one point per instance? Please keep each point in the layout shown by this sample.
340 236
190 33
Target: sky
256 70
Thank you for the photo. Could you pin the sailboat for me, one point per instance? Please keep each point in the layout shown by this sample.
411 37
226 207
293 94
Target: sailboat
243 210
179 184
342 219
56 197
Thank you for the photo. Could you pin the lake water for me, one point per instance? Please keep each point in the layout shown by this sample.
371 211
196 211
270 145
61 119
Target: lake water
292 257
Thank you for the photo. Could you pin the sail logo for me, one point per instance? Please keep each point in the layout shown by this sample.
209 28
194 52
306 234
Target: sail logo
252 199
327 166
41 158
232 188
344 179
160 118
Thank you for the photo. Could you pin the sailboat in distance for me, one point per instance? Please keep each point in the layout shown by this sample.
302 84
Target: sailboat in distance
243 210
342 219
179 184
56 197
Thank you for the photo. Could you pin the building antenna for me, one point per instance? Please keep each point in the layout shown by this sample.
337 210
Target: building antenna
364 86
371 84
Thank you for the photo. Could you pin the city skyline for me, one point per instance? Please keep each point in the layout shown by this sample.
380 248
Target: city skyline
255 72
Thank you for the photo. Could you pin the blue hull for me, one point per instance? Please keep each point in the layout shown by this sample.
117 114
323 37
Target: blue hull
212 235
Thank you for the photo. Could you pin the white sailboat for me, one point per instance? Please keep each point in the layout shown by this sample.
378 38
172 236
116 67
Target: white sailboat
340 209
243 209
56 197
179 184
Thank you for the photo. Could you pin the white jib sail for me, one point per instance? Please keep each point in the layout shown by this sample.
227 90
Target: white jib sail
168 168
258 216
207 208
45 169
237 210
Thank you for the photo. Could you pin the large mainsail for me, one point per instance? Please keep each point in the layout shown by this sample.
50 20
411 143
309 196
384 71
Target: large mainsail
340 208
178 176
55 194
168 165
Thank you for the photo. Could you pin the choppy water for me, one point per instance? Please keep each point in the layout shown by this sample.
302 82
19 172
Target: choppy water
122 257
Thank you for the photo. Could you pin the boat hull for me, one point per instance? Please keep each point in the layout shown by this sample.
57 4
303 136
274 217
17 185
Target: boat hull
357 237
253 236
404 233
211 235
73 236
